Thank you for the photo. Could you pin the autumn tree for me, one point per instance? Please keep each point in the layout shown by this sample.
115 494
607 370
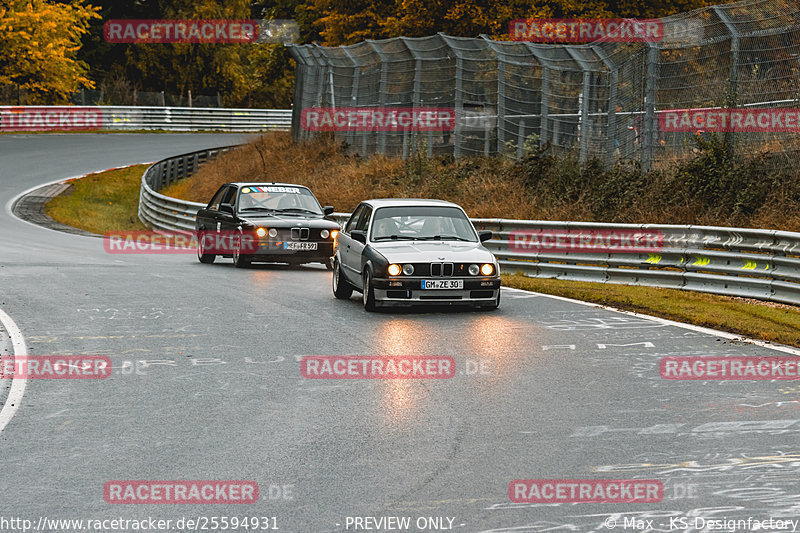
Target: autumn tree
39 45
197 67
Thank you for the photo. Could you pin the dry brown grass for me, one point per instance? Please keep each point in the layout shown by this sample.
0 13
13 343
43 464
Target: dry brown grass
496 187
343 180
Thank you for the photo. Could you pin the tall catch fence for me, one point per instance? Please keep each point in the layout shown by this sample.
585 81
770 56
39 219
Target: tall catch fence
603 99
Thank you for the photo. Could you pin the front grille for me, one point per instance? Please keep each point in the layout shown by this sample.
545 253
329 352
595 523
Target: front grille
300 234
442 269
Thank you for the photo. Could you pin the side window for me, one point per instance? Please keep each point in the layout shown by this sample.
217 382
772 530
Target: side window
363 221
214 203
351 224
230 196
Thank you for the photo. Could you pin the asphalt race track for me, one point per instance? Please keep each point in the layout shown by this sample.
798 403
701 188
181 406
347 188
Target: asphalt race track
207 386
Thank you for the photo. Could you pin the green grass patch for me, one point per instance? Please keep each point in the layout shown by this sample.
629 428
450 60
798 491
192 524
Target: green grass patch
758 320
101 202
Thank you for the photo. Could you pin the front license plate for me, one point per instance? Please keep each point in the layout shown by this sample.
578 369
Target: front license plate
443 284
299 246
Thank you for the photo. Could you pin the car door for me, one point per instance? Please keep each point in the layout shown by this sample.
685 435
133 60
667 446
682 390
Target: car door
206 217
356 251
227 222
346 260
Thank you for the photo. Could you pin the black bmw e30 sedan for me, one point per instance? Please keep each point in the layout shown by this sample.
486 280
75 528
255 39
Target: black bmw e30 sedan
265 222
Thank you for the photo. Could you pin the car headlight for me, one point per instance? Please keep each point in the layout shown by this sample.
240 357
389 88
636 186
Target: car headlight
261 232
334 234
394 270
474 269
273 232
408 269
487 269
324 233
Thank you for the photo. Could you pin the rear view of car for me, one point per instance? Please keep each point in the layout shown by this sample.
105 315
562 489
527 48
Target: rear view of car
403 252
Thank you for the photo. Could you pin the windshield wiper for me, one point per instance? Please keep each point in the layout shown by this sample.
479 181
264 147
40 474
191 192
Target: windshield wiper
298 210
444 238
394 238
257 209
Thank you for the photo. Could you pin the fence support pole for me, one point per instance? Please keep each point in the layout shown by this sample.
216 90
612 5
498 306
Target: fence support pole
649 126
585 126
611 117
383 88
733 88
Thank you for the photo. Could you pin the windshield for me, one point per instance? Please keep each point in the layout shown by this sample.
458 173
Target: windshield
278 198
422 223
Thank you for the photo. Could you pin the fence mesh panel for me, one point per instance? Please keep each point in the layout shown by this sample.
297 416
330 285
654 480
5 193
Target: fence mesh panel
600 100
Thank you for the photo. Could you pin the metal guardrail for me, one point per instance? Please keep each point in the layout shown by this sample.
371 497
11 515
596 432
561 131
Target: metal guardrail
749 263
162 212
65 118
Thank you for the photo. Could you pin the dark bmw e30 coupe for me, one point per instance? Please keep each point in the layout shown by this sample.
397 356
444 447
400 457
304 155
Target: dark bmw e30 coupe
265 222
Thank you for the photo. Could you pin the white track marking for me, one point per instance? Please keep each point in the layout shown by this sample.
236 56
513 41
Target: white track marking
699 329
17 384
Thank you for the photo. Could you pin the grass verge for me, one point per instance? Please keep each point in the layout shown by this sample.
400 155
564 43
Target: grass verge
758 320
101 202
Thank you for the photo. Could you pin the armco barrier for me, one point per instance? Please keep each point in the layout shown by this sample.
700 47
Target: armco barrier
750 263
66 118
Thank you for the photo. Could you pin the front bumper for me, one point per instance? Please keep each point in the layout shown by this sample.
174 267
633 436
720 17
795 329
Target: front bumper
275 251
407 291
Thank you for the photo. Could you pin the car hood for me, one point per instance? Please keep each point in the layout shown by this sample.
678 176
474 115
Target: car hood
433 251
288 221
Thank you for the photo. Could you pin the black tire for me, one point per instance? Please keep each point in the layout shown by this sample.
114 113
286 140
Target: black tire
240 260
341 288
368 293
329 264
201 255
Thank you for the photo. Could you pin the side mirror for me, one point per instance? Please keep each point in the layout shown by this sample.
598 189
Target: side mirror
359 235
226 208
485 235
327 210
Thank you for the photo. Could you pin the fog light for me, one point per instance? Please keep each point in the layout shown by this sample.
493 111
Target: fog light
261 232
408 269
474 269
324 233
394 270
273 232
487 269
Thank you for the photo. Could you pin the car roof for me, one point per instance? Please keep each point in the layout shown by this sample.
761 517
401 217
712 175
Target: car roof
264 184
407 202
